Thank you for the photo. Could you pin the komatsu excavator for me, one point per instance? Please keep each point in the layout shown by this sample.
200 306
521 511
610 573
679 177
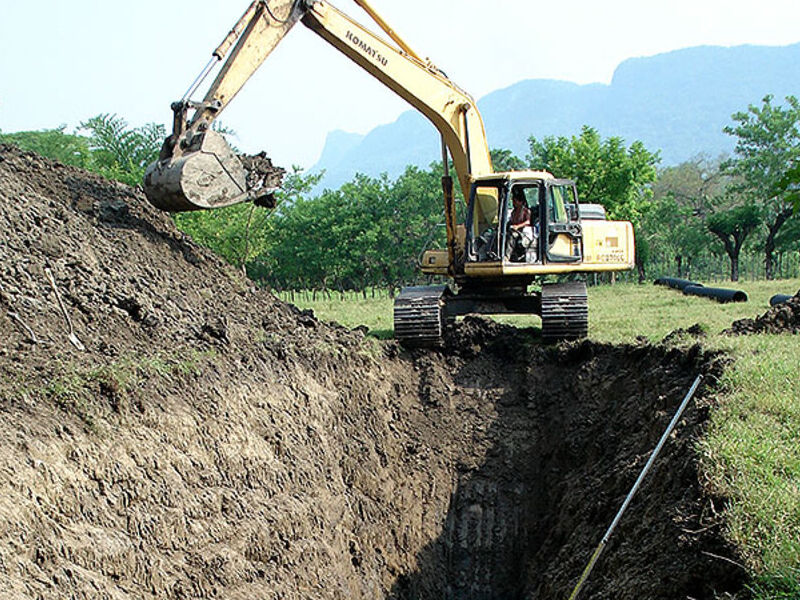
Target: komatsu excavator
518 227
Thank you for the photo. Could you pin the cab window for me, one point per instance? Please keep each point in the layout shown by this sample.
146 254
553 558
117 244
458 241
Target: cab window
485 244
559 198
563 227
485 215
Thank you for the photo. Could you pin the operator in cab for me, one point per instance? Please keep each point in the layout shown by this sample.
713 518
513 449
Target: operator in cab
520 232
521 214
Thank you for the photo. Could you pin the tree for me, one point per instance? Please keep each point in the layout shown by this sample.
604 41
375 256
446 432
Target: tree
110 148
605 171
767 148
683 196
506 160
367 233
242 234
732 226
673 229
52 143
119 151
790 185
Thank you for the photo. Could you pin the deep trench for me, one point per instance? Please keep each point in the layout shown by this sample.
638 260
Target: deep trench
572 430
267 464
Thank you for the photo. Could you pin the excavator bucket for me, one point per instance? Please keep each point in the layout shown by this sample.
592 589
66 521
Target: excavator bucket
207 175
197 169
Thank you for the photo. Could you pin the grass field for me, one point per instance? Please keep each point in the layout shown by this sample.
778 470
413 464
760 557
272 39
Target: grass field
751 454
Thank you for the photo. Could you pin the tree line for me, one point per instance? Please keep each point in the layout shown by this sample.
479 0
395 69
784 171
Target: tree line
369 232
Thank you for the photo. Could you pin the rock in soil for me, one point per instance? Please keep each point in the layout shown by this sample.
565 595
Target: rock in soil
211 441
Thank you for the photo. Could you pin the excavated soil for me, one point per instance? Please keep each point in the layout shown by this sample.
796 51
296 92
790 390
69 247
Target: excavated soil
781 318
262 176
172 432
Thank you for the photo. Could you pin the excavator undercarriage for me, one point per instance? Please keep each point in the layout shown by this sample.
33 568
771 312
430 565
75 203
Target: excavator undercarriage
423 313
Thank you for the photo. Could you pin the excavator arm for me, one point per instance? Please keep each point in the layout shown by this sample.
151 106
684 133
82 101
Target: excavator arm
197 169
451 110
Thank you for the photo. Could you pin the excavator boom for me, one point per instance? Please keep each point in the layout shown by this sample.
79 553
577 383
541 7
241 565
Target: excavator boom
197 170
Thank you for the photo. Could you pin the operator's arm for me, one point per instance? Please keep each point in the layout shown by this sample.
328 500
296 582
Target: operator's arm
521 219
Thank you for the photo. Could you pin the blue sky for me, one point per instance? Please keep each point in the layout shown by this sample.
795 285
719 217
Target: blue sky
66 61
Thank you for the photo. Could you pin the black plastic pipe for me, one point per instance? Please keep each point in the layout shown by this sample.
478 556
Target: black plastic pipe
779 299
719 294
675 283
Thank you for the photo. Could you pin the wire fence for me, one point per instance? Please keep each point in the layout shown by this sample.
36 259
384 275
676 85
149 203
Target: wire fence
718 268
306 296
710 269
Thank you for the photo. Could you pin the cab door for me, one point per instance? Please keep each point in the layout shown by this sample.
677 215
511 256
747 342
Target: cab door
482 224
564 239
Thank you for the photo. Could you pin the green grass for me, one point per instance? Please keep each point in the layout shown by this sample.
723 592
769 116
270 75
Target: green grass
621 312
351 310
75 389
751 454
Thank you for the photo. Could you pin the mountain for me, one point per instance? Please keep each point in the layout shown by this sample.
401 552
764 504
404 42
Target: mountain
338 145
676 102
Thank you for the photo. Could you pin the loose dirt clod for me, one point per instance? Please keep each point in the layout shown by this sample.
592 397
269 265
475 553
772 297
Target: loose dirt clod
262 176
214 442
781 318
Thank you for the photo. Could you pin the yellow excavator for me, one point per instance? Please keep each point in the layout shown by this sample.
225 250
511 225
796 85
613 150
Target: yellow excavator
518 226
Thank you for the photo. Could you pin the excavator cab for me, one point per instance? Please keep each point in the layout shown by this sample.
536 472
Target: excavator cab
551 235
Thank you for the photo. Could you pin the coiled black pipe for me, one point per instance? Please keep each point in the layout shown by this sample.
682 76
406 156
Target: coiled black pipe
675 283
719 294
779 299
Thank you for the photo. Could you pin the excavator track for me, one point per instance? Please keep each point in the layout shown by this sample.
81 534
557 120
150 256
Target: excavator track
419 315
565 311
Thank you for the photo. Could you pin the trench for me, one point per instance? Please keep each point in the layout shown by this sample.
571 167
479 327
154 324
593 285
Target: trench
254 452
572 428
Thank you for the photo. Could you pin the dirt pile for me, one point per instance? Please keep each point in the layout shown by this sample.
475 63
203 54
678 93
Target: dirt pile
781 318
198 438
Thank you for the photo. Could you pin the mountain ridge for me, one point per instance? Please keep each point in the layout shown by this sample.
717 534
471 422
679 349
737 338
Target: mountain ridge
675 102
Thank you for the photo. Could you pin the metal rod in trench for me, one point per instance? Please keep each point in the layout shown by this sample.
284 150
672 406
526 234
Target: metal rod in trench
635 487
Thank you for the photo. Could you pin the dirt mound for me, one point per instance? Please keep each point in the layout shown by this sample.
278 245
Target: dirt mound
693 332
781 318
171 432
